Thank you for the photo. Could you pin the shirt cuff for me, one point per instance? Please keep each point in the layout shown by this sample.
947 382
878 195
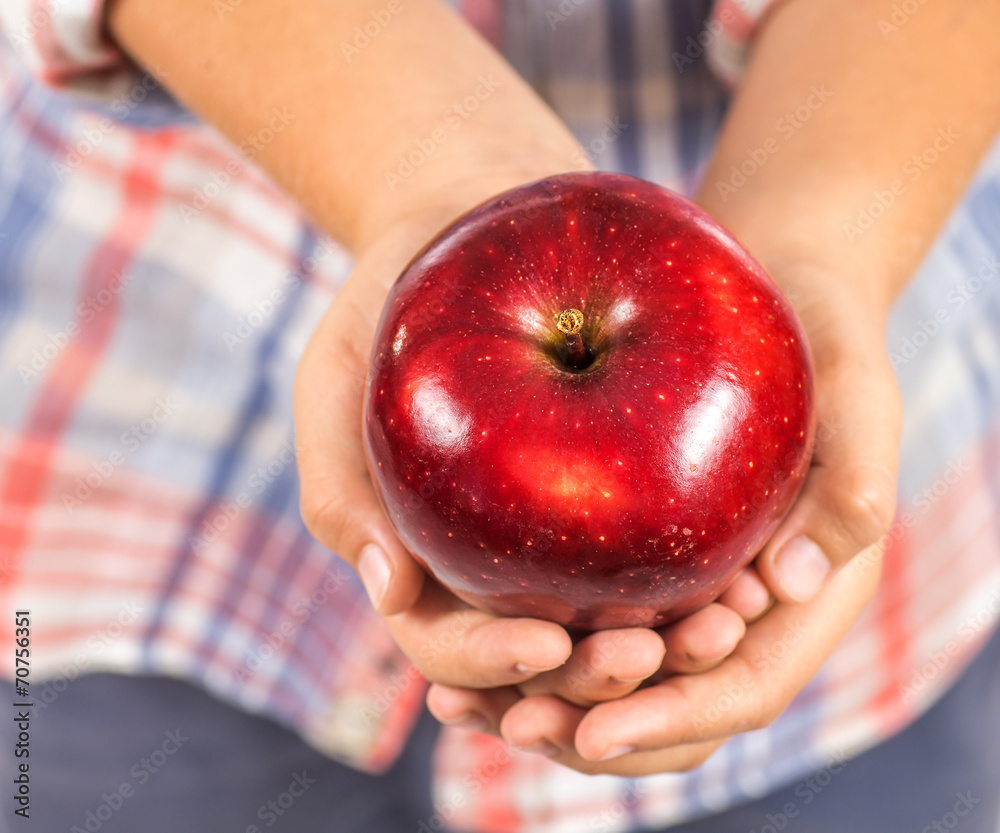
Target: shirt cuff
733 25
60 40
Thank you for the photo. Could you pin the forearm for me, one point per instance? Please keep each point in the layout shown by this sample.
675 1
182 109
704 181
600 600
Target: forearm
886 129
353 114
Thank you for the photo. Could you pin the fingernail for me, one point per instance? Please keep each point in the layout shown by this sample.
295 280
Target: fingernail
697 662
541 747
375 570
617 751
802 568
470 721
524 668
632 680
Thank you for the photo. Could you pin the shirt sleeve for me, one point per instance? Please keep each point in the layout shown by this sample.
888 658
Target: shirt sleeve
60 40
733 25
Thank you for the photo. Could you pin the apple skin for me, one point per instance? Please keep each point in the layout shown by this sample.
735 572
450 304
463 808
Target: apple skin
628 493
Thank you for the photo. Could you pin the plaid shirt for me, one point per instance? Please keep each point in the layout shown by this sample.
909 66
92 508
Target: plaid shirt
156 290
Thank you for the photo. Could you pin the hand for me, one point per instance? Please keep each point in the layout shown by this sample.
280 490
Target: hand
846 505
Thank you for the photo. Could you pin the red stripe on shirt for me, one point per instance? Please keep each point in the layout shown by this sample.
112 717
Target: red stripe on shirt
49 50
26 478
891 626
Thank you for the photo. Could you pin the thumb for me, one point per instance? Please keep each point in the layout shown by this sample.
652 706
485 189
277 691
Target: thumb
338 502
849 498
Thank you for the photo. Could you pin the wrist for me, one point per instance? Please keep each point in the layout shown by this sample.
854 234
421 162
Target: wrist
431 203
796 238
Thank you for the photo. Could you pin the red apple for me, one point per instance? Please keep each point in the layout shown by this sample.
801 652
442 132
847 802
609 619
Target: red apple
587 403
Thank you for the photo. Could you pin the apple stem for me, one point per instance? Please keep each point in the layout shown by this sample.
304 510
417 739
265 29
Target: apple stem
569 322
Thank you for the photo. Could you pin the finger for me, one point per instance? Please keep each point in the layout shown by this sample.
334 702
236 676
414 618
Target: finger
603 666
456 645
701 640
773 662
470 709
547 726
747 595
544 725
640 764
339 505
848 500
